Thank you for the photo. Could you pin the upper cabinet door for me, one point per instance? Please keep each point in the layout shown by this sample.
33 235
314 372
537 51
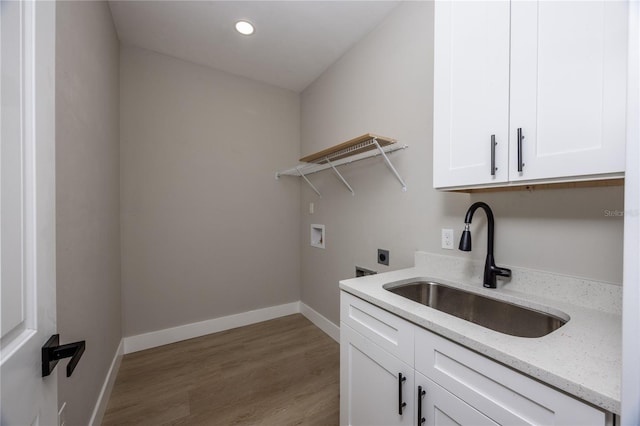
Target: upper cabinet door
471 92
568 88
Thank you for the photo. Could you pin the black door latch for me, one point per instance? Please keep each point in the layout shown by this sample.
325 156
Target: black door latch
52 352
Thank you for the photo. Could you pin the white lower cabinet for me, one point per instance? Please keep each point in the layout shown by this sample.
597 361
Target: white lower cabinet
500 393
376 388
380 384
442 408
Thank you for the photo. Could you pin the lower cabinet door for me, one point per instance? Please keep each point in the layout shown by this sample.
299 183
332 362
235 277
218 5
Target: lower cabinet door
376 388
441 408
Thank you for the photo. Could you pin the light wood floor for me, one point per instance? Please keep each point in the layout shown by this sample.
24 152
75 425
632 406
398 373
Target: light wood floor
276 373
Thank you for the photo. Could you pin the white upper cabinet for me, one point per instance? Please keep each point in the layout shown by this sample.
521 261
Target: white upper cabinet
564 75
568 87
471 92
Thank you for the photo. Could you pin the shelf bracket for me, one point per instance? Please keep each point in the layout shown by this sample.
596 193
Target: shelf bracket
308 181
339 175
393 169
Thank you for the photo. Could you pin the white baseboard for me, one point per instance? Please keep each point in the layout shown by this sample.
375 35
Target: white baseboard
107 387
321 322
189 331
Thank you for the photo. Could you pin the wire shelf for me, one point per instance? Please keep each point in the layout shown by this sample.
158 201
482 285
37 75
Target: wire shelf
365 146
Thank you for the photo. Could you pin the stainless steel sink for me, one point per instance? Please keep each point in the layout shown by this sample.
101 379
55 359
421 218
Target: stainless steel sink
492 313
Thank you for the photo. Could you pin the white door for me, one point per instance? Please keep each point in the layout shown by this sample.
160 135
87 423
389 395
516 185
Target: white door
370 388
28 211
441 408
471 92
568 87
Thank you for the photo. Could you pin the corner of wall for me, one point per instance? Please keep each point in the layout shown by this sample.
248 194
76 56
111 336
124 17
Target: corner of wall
105 392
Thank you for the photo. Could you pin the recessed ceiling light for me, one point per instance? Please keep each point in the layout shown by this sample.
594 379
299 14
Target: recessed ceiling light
244 27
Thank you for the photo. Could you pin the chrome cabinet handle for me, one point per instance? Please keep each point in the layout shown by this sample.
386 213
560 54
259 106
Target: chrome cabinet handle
493 155
421 393
520 136
401 404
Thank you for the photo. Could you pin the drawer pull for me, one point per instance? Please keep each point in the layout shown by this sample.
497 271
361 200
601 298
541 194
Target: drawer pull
401 404
421 394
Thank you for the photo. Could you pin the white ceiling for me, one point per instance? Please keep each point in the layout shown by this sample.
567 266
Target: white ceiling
294 42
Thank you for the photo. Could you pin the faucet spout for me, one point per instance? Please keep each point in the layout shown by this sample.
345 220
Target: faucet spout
490 268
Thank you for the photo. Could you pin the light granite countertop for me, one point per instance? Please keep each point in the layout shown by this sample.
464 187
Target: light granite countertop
582 358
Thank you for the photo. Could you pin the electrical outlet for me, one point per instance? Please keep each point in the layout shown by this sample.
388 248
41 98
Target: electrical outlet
383 257
447 239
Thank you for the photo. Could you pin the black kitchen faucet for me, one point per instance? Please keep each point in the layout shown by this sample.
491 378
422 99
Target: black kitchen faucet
490 268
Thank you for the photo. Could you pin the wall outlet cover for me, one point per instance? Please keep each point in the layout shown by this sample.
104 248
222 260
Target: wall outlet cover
383 257
447 239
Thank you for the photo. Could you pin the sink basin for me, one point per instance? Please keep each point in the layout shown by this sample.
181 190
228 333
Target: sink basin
495 314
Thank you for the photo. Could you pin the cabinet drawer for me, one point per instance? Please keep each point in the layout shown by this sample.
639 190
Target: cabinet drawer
504 395
388 331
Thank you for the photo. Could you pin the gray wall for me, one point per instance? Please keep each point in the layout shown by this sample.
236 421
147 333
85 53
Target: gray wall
88 199
207 231
384 85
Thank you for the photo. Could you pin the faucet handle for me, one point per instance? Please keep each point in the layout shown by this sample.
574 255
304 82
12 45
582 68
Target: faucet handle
503 272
